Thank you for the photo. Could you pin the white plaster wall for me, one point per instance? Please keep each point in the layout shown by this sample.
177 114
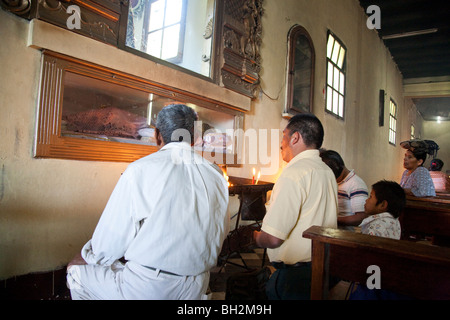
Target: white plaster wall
439 133
361 142
48 208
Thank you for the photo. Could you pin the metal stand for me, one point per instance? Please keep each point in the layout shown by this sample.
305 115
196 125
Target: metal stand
252 199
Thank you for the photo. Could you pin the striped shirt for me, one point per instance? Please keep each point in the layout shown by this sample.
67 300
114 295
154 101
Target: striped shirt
352 195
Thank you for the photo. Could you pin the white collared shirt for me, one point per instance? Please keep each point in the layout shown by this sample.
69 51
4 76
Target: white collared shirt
168 211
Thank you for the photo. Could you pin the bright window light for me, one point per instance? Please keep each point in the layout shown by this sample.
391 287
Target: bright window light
335 95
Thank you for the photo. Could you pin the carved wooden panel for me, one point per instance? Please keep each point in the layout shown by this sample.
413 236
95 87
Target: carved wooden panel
241 36
22 8
98 19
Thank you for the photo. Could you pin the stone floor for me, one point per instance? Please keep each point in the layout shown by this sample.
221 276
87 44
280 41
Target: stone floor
52 285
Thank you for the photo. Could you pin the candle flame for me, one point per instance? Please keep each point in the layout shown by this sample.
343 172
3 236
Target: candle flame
259 176
226 178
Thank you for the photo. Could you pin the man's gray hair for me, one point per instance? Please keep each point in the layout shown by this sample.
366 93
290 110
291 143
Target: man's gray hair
175 122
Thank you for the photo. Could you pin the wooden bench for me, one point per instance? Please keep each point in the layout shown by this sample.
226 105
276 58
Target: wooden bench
413 269
439 198
443 195
427 217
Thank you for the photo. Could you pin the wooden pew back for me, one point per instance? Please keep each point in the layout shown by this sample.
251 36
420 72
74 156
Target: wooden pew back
408 268
426 216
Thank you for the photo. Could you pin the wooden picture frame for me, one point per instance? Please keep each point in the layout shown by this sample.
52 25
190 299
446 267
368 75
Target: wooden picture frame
50 142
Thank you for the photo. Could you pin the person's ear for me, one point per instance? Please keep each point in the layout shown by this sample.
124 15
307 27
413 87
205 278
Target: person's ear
384 205
158 137
420 162
295 138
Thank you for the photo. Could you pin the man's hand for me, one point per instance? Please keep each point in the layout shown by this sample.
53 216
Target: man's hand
77 260
246 235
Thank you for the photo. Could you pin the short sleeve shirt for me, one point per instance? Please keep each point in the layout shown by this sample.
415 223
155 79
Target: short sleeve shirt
352 195
381 225
304 195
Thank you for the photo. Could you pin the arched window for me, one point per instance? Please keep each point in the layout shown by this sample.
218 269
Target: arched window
300 81
336 65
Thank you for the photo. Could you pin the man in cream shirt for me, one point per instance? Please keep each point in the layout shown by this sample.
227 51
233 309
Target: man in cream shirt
304 195
167 218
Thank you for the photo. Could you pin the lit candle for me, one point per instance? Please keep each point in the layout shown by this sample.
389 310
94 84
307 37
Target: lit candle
226 178
253 179
259 175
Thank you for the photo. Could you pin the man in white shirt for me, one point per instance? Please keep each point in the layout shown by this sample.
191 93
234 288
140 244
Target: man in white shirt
167 218
304 195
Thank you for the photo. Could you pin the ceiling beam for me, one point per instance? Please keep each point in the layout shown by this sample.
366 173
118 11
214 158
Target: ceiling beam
434 89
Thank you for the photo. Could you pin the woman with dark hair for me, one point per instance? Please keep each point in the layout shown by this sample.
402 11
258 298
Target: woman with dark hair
416 179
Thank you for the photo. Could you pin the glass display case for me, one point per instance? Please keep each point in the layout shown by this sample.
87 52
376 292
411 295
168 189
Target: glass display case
88 112
99 110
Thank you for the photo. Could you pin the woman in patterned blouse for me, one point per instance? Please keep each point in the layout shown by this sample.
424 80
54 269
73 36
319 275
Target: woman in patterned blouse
416 179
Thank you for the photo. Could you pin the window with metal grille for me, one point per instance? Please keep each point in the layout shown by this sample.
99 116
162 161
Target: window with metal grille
165 28
336 62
